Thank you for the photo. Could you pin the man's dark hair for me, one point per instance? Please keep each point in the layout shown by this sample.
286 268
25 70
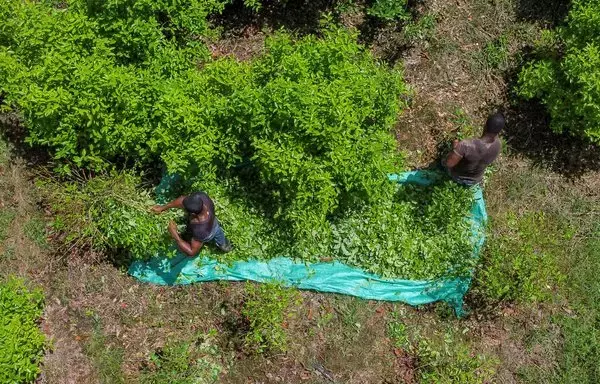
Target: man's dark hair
495 123
193 203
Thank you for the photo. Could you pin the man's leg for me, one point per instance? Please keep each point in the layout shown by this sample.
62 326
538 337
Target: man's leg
222 241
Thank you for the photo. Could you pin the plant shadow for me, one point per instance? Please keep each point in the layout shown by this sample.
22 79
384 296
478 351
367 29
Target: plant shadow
549 12
14 133
234 324
301 16
386 37
528 132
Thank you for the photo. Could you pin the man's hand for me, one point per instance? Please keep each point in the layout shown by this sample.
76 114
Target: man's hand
191 249
173 230
177 203
453 158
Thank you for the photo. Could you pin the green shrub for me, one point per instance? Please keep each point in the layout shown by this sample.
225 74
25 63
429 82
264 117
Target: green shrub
320 136
310 120
415 232
108 212
520 258
194 362
107 359
143 32
267 309
91 80
412 232
256 5
288 144
21 341
567 78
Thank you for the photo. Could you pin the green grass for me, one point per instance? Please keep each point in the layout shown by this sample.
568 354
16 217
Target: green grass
107 359
7 254
4 152
543 252
35 230
520 261
6 218
578 361
7 215
463 124
191 362
575 351
351 314
442 355
494 55
267 307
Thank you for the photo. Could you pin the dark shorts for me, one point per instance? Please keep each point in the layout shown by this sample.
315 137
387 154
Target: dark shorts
217 235
458 179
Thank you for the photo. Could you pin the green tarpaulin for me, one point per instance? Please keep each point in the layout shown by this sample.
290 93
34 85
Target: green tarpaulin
324 277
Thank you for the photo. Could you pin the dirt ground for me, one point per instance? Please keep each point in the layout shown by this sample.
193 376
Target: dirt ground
104 325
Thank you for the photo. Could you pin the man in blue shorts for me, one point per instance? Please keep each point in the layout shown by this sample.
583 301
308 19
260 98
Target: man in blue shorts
202 225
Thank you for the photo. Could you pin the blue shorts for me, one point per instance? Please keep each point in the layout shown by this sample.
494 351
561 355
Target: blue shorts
217 235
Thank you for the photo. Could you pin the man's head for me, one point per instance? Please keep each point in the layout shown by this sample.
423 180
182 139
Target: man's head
193 203
495 124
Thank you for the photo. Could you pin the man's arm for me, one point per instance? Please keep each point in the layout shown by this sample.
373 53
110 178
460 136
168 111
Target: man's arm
177 203
191 249
454 157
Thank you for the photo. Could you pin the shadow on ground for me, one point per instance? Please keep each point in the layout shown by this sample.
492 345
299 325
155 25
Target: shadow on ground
14 133
303 17
549 12
386 38
300 16
528 132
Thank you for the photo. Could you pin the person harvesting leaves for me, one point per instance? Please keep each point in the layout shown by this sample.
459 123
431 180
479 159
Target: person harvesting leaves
467 161
202 226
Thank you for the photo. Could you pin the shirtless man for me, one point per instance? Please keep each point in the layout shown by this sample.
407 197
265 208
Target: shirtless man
467 162
202 225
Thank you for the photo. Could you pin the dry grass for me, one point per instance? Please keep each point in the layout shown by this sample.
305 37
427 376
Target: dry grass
450 72
24 257
249 44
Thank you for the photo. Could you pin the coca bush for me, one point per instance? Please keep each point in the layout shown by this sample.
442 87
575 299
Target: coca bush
567 77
